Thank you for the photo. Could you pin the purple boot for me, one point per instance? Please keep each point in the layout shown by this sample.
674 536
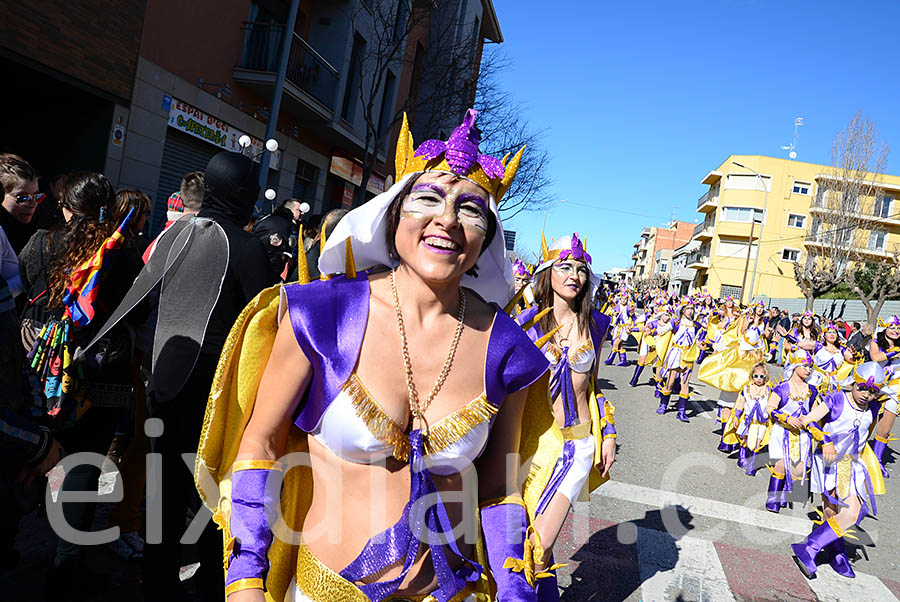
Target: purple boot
612 356
776 493
657 388
878 447
839 560
623 360
743 460
751 468
637 375
700 357
682 409
547 588
805 552
663 402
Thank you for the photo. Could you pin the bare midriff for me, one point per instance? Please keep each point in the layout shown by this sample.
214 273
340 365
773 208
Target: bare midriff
354 502
580 384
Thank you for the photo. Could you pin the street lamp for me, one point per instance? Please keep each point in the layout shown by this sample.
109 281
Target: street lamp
752 224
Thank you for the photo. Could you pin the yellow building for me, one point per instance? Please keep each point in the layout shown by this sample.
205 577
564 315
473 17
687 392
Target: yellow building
792 194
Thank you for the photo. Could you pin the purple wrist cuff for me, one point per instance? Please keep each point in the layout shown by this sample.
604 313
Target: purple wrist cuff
505 527
251 536
891 355
791 338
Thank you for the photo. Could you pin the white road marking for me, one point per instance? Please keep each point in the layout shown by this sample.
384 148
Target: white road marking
687 569
831 587
658 498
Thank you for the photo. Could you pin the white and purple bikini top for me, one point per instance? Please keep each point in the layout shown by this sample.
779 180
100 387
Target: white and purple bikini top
581 359
355 428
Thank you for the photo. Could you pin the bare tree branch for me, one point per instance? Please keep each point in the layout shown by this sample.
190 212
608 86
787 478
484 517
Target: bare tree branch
844 243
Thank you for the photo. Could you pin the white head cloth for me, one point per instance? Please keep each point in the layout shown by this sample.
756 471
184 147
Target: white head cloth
566 243
366 227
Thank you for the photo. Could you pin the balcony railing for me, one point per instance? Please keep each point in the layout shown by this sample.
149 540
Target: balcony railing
306 68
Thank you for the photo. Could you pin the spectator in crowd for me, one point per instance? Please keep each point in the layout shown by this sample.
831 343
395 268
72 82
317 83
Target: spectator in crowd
48 214
311 231
330 220
9 261
293 205
187 201
87 203
125 200
858 340
277 234
20 199
27 449
230 192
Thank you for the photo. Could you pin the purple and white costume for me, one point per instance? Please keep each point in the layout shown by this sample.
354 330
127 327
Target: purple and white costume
848 429
329 320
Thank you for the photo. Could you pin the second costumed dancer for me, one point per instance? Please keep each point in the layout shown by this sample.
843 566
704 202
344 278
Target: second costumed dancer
571 334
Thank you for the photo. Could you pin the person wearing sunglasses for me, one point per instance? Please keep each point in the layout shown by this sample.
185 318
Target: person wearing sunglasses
847 486
751 421
20 181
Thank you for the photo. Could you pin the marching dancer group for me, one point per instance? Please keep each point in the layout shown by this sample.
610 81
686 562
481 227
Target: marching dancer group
811 427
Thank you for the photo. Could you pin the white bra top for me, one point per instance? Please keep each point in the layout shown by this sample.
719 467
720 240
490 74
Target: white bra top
581 360
356 429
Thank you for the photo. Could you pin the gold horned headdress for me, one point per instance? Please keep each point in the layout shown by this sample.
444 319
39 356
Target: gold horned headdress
360 235
458 155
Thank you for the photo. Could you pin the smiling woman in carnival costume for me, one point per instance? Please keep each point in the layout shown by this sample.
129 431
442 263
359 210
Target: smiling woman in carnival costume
342 368
885 349
841 471
791 439
570 333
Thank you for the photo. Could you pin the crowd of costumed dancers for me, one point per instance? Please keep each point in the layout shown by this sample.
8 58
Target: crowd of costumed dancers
820 427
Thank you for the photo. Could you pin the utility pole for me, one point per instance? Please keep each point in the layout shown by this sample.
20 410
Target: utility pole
747 262
278 91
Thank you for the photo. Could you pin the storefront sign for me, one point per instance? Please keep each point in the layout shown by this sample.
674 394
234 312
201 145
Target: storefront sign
193 121
351 170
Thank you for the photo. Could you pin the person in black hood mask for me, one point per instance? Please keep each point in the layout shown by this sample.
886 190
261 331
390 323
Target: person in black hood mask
276 232
231 191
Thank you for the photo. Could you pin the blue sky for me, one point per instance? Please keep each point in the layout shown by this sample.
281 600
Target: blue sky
642 99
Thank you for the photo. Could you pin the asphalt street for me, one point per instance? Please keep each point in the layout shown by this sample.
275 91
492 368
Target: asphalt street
680 521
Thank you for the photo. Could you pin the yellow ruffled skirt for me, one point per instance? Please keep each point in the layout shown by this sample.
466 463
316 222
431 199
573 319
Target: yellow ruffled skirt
728 370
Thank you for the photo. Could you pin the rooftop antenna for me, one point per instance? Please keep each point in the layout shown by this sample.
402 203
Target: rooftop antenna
791 152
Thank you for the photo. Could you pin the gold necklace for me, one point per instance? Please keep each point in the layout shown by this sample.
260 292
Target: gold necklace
415 407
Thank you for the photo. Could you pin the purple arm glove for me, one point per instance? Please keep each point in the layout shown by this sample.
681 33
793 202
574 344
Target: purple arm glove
247 548
607 420
505 526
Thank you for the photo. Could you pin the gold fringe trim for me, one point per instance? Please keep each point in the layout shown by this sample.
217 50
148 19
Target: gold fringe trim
583 348
377 421
452 428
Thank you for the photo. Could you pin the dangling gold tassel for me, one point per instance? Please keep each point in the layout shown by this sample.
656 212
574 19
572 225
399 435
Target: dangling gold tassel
302 266
322 276
349 263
